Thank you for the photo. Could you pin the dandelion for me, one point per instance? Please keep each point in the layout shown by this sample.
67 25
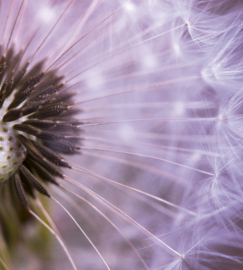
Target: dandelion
120 135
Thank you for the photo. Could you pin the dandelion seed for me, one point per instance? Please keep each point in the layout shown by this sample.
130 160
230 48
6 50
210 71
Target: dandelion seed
121 134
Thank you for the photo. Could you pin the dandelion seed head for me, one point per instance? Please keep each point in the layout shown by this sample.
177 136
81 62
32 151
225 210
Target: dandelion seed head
143 151
12 154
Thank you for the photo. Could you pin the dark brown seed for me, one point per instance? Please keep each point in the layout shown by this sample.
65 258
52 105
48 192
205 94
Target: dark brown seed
51 110
37 157
33 181
20 190
12 115
21 97
38 132
3 67
50 155
63 146
43 173
19 76
52 125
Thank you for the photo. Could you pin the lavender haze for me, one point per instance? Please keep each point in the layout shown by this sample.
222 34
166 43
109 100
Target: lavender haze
154 178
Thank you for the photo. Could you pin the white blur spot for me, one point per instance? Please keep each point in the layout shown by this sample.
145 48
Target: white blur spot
211 73
177 49
179 108
216 73
126 132
149 61
46 14
207 74
220 117
179 216
129 7
187 23
94 80
219 123
195 157
204 74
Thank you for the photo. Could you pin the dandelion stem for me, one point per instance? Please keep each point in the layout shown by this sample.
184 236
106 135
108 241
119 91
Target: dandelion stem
158 136
152 146
86 171
75 43
56 235
51 30
14 26
123 214
86 236
154 86
123 50
146 156
56 230
211 119
144 167
107 219
3 264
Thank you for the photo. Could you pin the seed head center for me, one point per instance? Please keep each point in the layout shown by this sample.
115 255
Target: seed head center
12 152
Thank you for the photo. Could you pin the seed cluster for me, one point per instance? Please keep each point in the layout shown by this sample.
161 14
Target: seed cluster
37 123
12 153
